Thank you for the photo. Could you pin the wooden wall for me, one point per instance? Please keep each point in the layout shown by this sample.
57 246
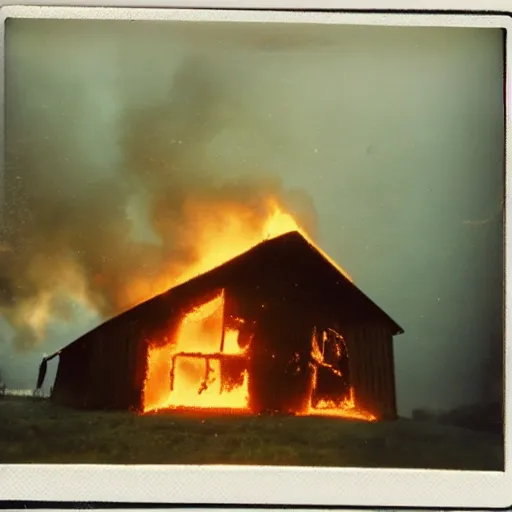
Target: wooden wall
70 384
372 369
107 367
105 370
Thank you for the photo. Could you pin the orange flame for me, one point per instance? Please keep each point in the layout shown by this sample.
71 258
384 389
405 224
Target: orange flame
187 369
346 408
196 376
218 236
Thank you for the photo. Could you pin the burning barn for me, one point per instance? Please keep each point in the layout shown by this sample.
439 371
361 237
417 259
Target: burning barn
279 328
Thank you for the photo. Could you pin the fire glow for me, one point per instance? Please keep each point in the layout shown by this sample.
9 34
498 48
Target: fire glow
193 364
202 365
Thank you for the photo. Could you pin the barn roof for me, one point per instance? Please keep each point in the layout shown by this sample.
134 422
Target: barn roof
291 252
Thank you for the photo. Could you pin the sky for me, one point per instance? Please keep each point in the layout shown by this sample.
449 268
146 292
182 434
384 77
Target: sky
386 142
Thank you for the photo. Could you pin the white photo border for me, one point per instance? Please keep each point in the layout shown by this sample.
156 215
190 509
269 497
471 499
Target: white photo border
259 485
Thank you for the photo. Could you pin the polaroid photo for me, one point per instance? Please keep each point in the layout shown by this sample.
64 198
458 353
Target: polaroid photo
254 256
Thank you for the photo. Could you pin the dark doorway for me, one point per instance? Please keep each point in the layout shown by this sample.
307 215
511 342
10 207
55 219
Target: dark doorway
331 376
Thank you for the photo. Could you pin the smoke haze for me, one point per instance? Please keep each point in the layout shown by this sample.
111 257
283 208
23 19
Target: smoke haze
387 143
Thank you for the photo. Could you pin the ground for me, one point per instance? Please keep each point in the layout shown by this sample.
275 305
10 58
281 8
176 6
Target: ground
35 430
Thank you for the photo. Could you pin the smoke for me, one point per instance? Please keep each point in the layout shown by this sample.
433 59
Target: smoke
113 189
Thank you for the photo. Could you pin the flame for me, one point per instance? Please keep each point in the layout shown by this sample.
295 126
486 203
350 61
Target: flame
201 329
197 380
346 407
231 342
279 223
218 234
187 368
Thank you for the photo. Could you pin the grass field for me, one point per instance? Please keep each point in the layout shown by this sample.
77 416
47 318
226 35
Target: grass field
34 430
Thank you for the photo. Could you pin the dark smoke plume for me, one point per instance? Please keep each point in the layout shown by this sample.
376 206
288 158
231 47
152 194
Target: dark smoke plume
68 230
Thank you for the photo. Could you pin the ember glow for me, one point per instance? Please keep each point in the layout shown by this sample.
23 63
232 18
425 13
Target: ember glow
187 372
346 407
201 365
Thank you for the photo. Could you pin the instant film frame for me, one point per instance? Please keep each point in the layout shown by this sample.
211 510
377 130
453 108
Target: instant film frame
267 486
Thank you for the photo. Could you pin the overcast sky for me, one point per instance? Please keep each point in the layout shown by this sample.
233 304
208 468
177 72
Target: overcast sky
392 136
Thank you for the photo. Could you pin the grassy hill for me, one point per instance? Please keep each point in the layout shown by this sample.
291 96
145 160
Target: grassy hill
34 430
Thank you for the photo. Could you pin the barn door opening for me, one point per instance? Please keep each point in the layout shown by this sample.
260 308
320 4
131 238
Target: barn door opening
331 376
208 368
